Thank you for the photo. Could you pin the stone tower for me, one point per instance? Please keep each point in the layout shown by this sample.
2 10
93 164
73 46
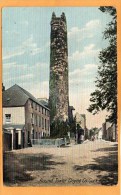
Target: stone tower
58 85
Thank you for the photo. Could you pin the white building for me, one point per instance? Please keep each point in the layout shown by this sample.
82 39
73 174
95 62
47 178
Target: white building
100 133
81 120
24 117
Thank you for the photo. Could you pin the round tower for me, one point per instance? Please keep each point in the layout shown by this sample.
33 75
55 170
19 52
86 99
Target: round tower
58 85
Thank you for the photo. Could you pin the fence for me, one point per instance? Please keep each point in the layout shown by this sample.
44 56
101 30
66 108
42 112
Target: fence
50 142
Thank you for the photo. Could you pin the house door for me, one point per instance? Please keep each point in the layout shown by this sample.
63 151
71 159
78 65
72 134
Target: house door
7 142
16 140
23 139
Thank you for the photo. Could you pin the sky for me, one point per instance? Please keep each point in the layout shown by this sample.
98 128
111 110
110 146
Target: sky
26 52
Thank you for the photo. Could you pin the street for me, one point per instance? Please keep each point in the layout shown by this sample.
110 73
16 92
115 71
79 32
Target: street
88 164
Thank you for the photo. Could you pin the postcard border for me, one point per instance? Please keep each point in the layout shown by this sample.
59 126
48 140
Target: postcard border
86 190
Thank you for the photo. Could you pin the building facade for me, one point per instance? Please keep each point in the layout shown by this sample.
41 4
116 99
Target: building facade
24 117
81 121
100 134
58 84
109 131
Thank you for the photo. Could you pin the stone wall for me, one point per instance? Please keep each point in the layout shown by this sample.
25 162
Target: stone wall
58 94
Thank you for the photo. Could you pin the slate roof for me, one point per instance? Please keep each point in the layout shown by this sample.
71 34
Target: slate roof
43 102
17 96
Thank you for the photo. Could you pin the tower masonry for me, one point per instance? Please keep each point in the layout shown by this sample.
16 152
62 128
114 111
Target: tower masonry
58 85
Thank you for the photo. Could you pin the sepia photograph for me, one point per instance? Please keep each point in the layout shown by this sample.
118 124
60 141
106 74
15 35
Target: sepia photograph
59 96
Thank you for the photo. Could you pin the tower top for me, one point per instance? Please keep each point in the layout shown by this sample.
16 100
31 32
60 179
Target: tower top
62 17
53 15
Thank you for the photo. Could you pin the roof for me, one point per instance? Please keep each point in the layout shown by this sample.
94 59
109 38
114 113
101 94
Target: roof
71 108
17 96
45 103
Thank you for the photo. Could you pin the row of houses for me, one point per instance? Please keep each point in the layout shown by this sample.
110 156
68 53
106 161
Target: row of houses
24 118
109 131
81 121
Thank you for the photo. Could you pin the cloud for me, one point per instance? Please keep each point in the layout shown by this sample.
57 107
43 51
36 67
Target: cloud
80 101
25 76
12 66
9 65
87 51
35 72
18 77
84 76
9 55
83 71
27 46
47 45
40 90
88 31
25 22
92 24
41 65
11 33
36 51
29 43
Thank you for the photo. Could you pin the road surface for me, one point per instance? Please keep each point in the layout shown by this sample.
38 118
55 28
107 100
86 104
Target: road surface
87 164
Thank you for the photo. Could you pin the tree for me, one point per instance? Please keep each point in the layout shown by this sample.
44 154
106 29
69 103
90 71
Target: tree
72 126
105 94
59 129
3 87
93 131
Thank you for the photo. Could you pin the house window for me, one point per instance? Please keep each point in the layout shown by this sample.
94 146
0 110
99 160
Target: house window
43 111
36 135
35 106
48 125
32 118
39 121
47 113
42 123
40 135
32 104
7 118
36 119
28 136
33 133
45 124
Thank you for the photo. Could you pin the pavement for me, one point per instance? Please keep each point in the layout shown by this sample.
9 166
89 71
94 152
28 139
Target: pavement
88 164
